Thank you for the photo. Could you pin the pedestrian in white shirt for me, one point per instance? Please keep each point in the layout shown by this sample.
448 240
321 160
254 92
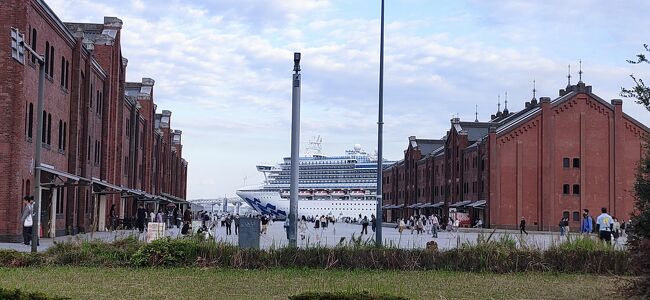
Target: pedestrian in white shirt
605 224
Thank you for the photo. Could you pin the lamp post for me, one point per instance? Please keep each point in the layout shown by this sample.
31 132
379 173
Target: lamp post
38 145
380 125
295 149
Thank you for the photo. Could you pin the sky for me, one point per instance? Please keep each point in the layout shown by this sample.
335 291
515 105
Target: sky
223 67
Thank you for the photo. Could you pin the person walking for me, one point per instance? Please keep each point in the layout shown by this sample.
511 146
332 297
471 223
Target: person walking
561 225
316 223
605 223
187 221
236 221
140 215
265 223
434 226
616 230
364 225
401 226
113 218
586 222
27 219
419 225
228 222
302 227
522 226
566 226
373 222
159 216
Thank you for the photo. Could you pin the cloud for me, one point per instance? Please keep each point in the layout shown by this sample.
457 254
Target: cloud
224 68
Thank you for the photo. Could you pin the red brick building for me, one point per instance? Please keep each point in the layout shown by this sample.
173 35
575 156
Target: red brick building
101 146
550 160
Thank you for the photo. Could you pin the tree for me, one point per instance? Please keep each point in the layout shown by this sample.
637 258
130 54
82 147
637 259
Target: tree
639 235
640 91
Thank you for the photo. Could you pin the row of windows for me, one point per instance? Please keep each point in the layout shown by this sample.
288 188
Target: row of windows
566 189
576 215
566 162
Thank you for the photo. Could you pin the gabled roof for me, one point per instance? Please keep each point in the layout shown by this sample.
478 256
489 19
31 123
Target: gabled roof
426 146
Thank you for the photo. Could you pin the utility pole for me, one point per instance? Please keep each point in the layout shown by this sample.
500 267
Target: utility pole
380 125
38 145
295 151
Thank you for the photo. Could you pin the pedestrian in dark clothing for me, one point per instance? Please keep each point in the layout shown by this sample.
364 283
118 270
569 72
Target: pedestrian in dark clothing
175 215
317 223
228 225
522 226
113 218
141 215
364 225
27 220
237 224
373 222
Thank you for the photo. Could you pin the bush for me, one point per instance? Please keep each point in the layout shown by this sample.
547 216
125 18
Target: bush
17 294
94 253
343 296
487 255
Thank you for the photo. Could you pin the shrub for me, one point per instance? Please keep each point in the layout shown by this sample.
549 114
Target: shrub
343 296
17 294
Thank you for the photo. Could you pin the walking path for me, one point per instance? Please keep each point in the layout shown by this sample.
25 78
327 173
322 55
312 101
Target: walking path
335 233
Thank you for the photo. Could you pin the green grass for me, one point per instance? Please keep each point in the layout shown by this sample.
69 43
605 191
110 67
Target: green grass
195 283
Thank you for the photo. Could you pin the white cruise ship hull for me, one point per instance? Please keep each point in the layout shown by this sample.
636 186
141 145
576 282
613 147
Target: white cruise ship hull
270 202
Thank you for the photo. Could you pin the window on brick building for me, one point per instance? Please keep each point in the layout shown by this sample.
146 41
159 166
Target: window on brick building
28 187
97 99
60 134
65 134
101 104
566 189
89 146
576 163
565 162
576 216
67 73
49 129
44 128
127 126
565 214
52 62
91 96
47 57
30 120
34 35
576 189
62 71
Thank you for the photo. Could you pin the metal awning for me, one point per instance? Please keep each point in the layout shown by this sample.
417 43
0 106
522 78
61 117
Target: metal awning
477 204
437 204
172 198
414 205
50 169
461 203
387 206
105 184
398 206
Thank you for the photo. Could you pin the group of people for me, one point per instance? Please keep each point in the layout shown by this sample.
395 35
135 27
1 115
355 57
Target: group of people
427 224
609 228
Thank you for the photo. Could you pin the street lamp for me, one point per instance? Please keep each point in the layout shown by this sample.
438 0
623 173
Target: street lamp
380 124
38 144
295 151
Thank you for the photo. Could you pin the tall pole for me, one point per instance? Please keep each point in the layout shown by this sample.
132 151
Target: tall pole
39 146
295 149
380 125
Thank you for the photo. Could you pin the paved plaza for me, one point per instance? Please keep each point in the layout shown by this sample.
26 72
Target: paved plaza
334 234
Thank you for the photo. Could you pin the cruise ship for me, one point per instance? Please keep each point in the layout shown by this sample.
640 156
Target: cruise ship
339 186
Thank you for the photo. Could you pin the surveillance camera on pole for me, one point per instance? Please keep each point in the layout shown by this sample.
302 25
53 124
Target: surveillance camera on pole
295 151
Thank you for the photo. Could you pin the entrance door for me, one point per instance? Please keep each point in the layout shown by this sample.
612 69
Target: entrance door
101 226
46 212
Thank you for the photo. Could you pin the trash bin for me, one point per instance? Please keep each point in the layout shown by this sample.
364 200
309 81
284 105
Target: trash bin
249 233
